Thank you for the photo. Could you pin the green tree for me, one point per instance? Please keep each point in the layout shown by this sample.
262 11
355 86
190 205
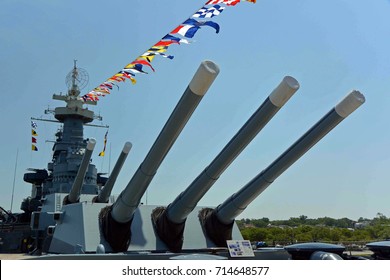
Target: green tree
335 235
261 222
361 235
303 237
254 234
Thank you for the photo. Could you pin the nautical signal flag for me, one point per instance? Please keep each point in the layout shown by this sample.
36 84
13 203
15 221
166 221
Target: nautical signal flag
191 26
228 2
187 29
209 12
101 154
34 133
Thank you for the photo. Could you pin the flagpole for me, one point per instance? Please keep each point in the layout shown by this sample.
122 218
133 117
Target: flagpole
13 186
101 165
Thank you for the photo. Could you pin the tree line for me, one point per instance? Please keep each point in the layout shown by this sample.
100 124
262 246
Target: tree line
326 229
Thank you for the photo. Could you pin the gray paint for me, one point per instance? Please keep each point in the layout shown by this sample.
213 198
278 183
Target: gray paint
84 218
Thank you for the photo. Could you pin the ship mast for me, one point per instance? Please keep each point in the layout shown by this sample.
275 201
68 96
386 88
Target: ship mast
70 145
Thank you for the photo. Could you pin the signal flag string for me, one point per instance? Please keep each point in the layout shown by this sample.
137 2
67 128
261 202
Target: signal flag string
177 36
34 134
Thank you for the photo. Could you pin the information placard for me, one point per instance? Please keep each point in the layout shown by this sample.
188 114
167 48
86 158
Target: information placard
240 248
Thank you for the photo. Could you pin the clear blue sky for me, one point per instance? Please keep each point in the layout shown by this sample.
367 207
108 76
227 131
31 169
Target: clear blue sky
330 47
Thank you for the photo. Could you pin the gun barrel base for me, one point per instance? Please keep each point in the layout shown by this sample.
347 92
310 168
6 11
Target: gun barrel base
118 235
170 233
215 230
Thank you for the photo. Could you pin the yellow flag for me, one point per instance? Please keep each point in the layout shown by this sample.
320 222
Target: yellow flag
101 154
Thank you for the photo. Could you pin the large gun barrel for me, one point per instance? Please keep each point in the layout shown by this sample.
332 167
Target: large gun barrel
74 194
129 199
223 216
106 191
123 209
183 205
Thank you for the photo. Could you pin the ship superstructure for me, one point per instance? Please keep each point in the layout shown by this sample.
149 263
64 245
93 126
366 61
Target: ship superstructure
51 186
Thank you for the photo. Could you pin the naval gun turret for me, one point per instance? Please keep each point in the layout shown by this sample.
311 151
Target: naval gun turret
78 214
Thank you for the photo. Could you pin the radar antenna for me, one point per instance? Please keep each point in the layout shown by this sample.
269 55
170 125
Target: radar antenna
76 80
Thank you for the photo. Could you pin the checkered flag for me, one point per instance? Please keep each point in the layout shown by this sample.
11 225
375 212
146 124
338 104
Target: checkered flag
209 12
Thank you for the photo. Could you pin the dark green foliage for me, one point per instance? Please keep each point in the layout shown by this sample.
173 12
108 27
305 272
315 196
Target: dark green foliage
304 229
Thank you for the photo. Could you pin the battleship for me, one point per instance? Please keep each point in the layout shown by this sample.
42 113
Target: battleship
72 213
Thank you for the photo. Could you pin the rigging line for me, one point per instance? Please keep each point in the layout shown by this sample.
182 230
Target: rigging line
13 185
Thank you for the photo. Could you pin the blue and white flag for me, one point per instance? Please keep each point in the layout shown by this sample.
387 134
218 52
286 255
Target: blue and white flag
179 40
34 125
189 27
209 12
146 54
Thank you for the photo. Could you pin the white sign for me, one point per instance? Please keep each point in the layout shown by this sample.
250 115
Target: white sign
240 248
